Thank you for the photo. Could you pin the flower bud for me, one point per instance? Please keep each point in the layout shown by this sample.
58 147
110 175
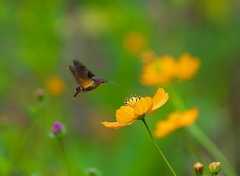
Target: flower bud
214 168
39 93
58 130
198 168
93 172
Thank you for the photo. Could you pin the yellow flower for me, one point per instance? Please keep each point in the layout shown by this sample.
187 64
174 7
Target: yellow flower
176 120
158 72
163 70
187 66
136 108
134 43
55 86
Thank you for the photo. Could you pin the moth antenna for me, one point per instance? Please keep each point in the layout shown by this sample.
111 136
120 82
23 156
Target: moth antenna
119 88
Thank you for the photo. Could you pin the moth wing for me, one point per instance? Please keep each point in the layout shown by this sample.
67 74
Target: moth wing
82 69
81 74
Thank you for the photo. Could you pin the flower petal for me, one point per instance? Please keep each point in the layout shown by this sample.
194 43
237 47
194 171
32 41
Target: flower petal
143 106
164 127
159 99
125 115
189 117
187 67
113 125
160 71
176 120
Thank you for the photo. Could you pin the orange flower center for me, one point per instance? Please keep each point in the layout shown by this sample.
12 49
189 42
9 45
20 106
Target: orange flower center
132 101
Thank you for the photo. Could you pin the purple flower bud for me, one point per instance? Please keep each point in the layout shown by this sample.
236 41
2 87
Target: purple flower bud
58 128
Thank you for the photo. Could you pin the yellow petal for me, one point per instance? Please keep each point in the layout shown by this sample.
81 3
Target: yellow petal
113 125
159 99
159 72
143 106
189 117
187 66
125 114
164 127
176 120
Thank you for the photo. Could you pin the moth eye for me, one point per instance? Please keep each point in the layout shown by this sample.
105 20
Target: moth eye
90 74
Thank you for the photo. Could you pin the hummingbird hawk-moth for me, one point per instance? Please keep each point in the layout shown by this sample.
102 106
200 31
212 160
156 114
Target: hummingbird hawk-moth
86 79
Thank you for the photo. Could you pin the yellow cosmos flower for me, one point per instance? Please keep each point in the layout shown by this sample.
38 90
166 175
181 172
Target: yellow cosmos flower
163 70
134 43
136 108
176 120
55 86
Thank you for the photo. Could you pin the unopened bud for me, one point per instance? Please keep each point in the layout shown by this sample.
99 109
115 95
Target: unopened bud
58 130
214 168
93 172
39 93
198 168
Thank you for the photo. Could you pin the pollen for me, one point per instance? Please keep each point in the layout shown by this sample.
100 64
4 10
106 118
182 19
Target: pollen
132 100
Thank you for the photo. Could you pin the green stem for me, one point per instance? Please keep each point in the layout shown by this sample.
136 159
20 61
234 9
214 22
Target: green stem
161 153
65 156
176 98
203 138
212 149
19 150
190 146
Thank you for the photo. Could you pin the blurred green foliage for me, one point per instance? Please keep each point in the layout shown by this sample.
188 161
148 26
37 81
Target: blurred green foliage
39 39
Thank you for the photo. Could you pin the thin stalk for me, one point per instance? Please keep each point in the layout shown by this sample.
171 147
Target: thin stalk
190 146
211 148
203 138
19 150
65 156
161 153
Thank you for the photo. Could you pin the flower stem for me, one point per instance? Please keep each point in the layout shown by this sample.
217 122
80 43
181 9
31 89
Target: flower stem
211 148
190 146
202 137
65 156
19 150
161 153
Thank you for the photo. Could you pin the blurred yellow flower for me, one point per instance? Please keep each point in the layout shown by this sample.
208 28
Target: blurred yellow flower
55 86
136 108
134 43
187 66
163 70
159 71
176 120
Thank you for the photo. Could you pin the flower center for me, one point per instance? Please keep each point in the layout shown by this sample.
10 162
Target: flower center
132 100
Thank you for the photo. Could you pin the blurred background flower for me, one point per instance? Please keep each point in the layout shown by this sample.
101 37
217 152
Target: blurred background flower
134 42
55 86
165 69
175 121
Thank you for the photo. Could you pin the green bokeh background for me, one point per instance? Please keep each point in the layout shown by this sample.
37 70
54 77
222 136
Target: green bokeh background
39 39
